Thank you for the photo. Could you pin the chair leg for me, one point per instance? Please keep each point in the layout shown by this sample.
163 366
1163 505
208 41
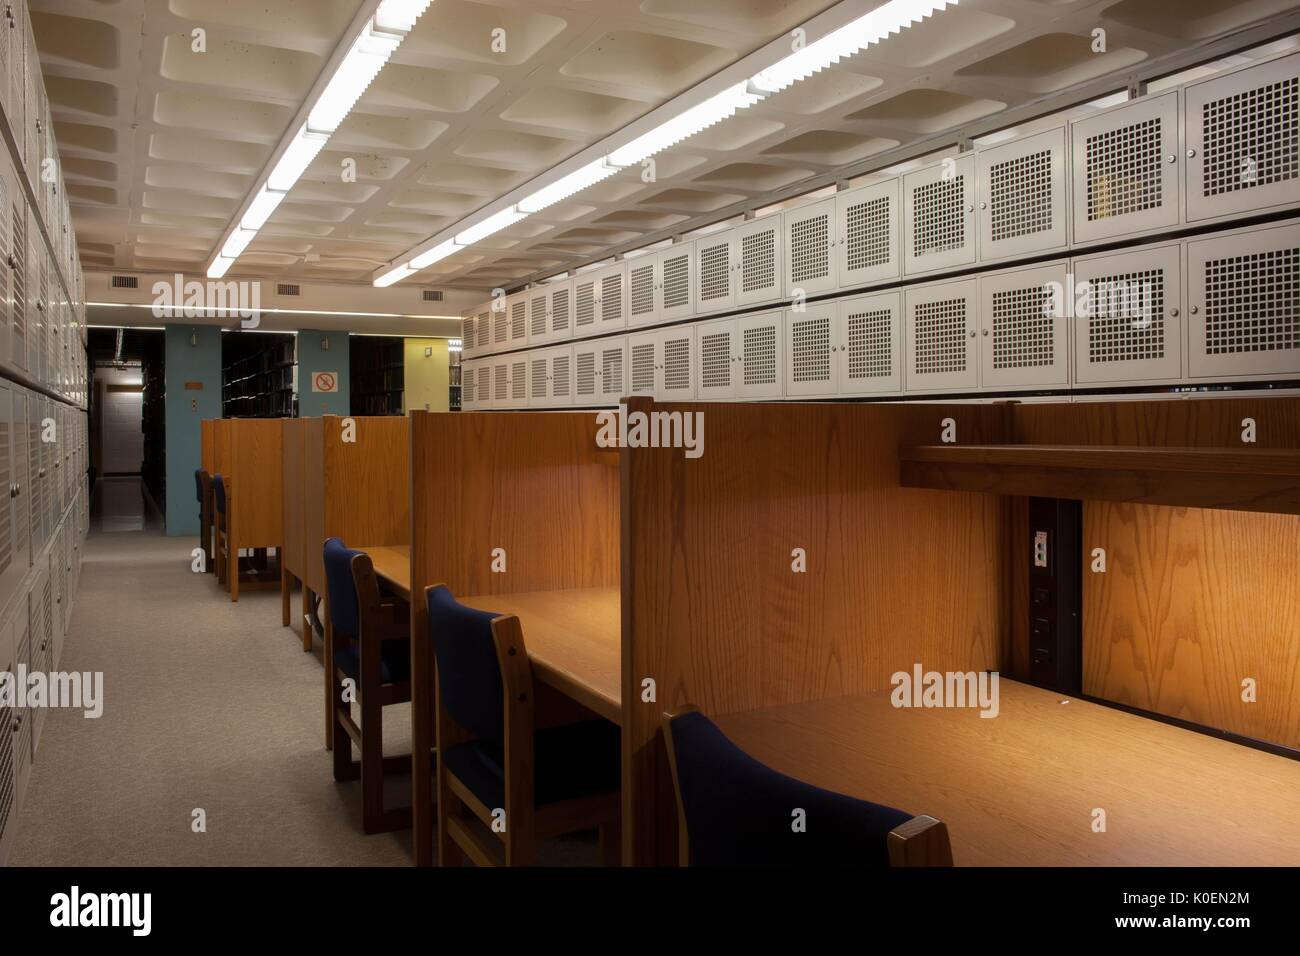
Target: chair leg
329 698
372 762
611 843
521 844
449 852
306 619
344 769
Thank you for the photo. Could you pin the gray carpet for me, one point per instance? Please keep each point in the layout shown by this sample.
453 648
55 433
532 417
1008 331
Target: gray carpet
207 704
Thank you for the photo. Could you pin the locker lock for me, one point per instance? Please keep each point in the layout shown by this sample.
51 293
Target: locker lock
1191 154
1173 157
1194 310
1173 313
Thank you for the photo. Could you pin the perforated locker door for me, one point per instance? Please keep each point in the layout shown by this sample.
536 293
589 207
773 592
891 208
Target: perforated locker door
1022 193
41 612
1243 140
940 333
868 223
717 358
500 383
586 374
715 271
1025 327
611 297
612 369
586 309
561 380
761 366
676 293
11 569
939 216
468 394
468 343
517 307
8 739
538 318
34 490
1128 325
810 248
539 378
869 352
758 258
676 364
811 347
643 279
8 185
642 363
518 381
18 268
484 326
500 321
559 305
1243 304
20 510
1125 169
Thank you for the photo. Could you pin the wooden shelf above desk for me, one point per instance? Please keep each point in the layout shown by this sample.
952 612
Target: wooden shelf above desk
1245 479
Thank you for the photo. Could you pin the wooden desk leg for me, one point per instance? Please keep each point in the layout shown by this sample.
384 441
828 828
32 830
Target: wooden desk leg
306 618
285 588
233 570
329 666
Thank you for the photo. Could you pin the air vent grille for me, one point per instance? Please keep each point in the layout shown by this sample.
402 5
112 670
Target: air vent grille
125 282
286 288
433 295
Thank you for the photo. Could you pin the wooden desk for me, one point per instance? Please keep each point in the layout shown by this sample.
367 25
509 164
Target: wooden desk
574 640
392 566
1020 788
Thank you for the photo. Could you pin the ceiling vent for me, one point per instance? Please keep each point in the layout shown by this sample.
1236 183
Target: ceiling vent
284 288
125 282
432 295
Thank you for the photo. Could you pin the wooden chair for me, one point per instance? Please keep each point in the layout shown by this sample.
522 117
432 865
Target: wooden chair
734 811
203 489
521 782
372 649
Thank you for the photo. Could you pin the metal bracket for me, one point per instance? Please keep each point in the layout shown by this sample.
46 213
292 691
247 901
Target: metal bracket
1136 88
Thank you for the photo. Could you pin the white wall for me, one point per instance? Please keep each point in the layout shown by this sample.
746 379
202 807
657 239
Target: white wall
121 440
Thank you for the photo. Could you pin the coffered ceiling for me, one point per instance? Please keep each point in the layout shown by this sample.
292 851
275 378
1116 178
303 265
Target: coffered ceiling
160 143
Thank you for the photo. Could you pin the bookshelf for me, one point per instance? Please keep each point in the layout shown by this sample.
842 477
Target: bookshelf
257 375
153 418
378 374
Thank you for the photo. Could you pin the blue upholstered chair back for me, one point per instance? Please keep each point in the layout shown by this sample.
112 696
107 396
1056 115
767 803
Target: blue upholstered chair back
342 589
469 675
219 493
198 485
740 812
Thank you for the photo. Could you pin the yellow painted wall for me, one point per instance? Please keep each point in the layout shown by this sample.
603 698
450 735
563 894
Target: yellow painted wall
427 376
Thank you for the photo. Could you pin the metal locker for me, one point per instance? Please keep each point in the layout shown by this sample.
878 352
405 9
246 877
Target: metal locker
611 297
1243 304
35 489
867 226
941 320
676 364
19 509
715 272
9 783
41 612
1025 327
643 283
612 370
586 295
7 187
939 216
586 374
760 359
810 248
500 321
1022 196
559 308
1125 169
10 50
518 306
810 343
518 366
1243 140
22 727
561 376
869 350
539 378
717 361
676 293
642 363
11 570
1128 325
20 248
500 383
759 266
468 396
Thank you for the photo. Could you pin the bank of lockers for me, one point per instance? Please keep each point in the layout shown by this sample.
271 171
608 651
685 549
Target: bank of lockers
845 347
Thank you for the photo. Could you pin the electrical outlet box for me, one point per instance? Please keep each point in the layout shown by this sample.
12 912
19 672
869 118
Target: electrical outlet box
1055 590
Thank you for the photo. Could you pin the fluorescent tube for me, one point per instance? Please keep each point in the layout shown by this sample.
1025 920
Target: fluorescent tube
400 14
437 253
493 223
566 186
395 274
220 266
304 147
261 208
699 117
357 71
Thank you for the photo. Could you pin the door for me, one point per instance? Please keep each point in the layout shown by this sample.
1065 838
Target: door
758 251
500 383
870 346
539 378
17 266
1242 144
643 283
811 344
611 297
941 321
1022 196
612 370
559 306
561 376
1243 304
939 216
1024 327
468 384
867 224
1125 166
517 305
715 271
538 318
19 510
585 303
1128 326
121 437
41 613
643 363
586 378
810 249
11 569
518 381
677 281
676 364
717 361
761 368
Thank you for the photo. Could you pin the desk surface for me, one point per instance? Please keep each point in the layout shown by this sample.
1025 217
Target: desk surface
574 640
392 566
1020 788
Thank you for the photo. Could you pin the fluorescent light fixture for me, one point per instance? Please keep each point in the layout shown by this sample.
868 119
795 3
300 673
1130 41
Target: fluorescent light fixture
880 23
304 147
400 14
358 70
261 208
566 186
713 110
436 254
493 223
220 266
238 242
396 274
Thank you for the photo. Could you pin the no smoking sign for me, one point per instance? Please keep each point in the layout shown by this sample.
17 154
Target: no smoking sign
325 382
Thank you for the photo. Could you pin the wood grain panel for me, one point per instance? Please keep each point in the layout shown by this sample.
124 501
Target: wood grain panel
313 451
257 483
221 428
713 612
1193 602
207 451
367 481
293 501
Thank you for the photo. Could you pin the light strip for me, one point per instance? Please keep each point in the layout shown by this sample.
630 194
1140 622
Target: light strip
372 47
228 312
881 23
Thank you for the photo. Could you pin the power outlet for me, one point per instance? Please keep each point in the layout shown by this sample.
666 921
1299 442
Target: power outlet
1040 549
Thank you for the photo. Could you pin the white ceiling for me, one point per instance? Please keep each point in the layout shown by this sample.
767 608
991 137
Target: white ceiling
160 144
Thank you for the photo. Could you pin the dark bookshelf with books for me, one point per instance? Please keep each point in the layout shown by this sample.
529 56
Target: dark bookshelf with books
378 374
257 375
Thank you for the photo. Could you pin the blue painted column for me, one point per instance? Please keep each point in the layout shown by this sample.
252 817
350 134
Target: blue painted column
314 357
196 362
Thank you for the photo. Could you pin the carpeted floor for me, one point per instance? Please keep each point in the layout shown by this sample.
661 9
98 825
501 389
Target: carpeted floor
209 705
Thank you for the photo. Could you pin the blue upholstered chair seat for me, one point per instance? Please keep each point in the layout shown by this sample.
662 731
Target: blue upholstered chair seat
576 760
394 661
